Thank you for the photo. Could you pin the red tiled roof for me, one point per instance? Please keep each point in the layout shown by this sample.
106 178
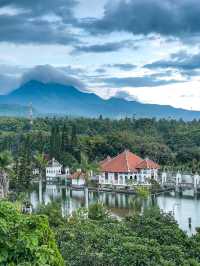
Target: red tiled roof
147 164
123 163
106 160
77 175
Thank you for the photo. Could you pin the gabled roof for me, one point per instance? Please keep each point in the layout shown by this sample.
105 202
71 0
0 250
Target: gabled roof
77 175
54 163
108 158
147 164
123 163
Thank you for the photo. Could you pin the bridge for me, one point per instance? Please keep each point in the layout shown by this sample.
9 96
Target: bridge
180 182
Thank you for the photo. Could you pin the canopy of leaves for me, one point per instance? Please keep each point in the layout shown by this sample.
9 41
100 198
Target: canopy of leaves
171 143
26 240
151 239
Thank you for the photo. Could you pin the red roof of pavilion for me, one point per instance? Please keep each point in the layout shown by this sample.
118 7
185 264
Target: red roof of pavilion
148 164
123 163
126 162
77 175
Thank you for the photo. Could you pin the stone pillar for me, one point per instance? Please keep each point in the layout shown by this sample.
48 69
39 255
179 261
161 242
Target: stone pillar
164 178
142 178
196 179
86 197
40 191
138 177
178 180
124 180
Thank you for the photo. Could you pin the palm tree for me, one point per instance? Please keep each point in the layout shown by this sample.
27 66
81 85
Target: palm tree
88 168
41 163
5 169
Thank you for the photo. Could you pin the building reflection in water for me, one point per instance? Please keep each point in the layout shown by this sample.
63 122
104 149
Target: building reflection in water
183 206
73 199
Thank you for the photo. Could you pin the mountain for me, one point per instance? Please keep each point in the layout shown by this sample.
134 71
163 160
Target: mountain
53 98
14 110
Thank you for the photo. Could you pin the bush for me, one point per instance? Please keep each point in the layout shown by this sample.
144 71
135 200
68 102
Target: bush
26 239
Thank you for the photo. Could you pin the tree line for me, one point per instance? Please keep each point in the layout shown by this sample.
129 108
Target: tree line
175 145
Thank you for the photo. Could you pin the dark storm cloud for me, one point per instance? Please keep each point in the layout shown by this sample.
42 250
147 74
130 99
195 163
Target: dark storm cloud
145 81
165 17
35 8
16 29
38 21
104 48
181 61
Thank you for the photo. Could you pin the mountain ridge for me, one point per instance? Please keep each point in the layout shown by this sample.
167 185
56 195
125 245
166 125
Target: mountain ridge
61 99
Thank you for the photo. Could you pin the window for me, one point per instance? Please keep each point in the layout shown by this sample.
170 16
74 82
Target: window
116 177
106 176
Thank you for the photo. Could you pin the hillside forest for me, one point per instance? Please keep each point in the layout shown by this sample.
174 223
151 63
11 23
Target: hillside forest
175 145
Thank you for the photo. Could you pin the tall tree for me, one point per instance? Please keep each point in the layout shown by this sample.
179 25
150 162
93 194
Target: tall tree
5 169
41 164
65 140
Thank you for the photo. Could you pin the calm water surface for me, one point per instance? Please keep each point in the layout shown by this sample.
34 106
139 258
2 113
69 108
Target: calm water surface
183 207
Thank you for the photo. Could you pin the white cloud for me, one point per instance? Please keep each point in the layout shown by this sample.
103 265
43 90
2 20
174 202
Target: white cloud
49 74
181 95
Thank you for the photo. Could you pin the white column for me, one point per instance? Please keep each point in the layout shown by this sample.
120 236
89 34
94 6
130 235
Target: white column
178 178
86 198
142 178
138 177
123 179
164 178
155 174
40 191
196 181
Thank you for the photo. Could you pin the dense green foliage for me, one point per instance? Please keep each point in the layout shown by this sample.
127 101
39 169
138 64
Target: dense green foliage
173 144
150 239
92 237
26 240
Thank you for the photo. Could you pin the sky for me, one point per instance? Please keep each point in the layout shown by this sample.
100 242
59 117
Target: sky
144 50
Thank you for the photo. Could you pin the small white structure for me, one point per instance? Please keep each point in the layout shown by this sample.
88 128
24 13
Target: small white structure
178 178
126 169
54 170
36 171
181 180
196 180
163 178
78 179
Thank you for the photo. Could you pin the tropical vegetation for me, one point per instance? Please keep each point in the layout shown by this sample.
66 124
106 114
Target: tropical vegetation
82 142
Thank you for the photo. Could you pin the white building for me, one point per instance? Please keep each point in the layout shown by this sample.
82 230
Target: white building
78 179
54 170
126 169
36 171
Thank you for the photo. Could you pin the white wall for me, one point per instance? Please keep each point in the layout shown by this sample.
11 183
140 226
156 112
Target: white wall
124 179
53 171
78 182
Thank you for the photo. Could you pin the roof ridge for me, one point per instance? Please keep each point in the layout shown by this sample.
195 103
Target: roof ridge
126 151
